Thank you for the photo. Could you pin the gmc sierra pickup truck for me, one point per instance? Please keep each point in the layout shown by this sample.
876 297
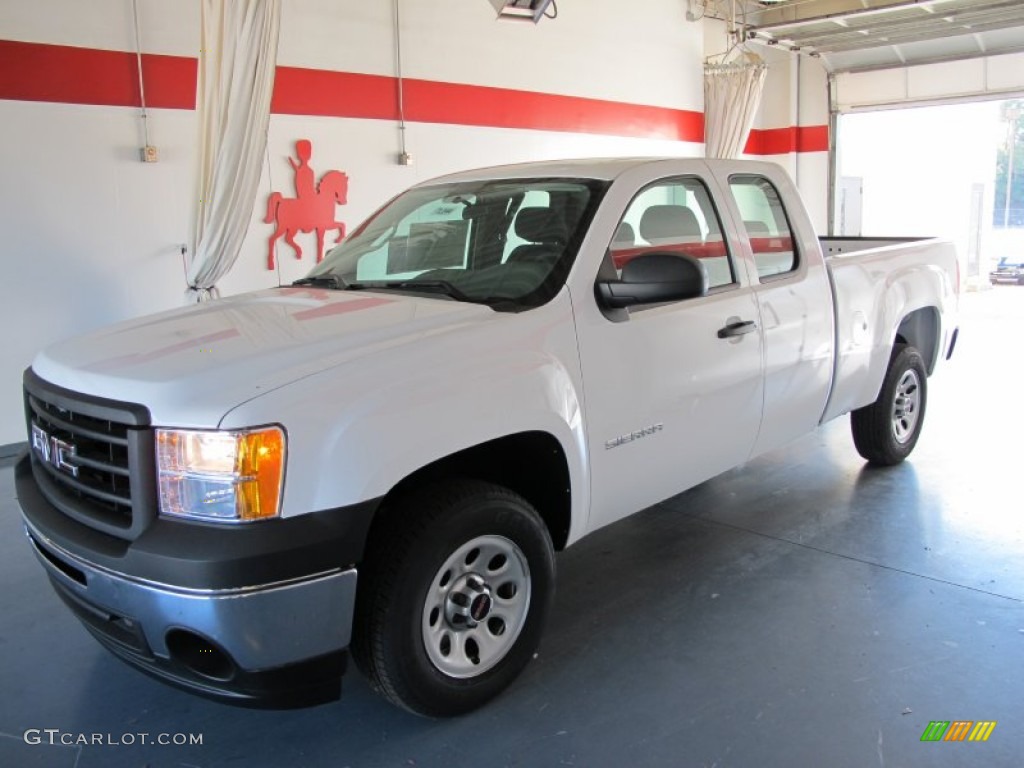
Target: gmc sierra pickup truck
382 458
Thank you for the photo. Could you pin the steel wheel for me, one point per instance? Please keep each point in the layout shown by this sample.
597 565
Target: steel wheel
476 606
454 590
906 406
886 431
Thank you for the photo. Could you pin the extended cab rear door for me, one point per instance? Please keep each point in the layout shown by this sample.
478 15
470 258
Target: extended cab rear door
672 396
793 294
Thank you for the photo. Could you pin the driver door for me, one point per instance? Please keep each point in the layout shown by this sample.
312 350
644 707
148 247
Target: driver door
673 396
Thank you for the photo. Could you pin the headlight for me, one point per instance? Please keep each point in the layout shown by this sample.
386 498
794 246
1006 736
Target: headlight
223 476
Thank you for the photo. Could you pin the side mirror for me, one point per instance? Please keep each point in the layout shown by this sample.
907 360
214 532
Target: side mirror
655 277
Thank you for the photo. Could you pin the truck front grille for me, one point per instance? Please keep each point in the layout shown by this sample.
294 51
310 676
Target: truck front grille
91 457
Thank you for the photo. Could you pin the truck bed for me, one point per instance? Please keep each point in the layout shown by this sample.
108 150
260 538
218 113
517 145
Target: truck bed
832 246
875 282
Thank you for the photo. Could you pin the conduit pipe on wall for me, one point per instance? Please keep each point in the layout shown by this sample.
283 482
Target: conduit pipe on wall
148 154
404 158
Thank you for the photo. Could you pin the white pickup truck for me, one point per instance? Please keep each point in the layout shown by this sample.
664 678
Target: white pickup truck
383 457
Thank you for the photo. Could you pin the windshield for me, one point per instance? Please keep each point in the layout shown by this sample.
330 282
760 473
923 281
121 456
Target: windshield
507 243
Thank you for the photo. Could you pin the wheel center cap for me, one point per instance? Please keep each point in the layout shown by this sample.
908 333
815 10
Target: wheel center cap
468 602
480 607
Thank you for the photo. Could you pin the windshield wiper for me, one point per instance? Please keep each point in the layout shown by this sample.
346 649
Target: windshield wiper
323 281
441 286
426 286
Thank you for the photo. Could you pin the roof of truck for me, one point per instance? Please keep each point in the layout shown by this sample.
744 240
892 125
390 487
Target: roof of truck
591 168
588 168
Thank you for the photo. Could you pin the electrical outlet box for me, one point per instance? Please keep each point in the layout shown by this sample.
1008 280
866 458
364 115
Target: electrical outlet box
405 159
149 154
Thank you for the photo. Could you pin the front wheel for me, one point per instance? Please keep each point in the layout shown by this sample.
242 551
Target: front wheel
452 598
886 431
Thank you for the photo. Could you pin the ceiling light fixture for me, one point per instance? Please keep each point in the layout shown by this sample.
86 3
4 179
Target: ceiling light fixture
525 10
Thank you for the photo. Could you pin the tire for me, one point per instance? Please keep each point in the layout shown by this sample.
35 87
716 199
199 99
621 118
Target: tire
452 597
886 431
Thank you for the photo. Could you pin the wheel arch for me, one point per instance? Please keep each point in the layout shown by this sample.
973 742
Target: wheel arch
920 329
532 464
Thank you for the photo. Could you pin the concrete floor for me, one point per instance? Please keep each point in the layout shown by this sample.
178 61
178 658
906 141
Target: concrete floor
800 611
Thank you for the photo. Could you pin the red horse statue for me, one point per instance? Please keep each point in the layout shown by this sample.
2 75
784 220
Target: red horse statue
312 209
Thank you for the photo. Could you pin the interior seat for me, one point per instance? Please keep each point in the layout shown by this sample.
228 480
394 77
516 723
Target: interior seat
664 224
544 231
625 236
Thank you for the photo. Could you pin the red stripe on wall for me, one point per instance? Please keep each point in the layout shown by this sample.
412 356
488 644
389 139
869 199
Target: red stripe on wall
782 141
61 73
812 138
435 102
65 74
170 81
347 94
334 94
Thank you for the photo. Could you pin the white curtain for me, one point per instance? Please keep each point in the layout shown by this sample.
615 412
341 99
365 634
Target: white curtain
731 95
236 77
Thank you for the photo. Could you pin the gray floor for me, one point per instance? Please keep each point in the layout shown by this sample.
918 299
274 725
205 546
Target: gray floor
800 611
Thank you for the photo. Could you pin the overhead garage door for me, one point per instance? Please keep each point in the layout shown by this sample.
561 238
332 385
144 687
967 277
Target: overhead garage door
987 77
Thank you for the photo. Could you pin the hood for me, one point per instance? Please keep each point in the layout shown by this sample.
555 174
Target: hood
191 365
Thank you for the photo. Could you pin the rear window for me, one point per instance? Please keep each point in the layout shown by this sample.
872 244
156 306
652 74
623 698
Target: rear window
767 225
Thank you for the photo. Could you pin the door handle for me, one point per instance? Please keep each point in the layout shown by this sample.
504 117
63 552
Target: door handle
737 329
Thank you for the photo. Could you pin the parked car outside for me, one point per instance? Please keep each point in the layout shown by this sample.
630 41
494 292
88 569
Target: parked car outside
1008 270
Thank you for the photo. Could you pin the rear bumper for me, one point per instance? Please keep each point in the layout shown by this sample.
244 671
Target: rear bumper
1007 274
260 616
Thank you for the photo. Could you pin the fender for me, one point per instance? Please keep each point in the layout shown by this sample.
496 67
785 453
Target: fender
871 305
376 424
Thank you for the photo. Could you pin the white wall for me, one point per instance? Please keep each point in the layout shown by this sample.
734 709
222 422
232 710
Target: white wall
165 27
796 96
812 168
91 234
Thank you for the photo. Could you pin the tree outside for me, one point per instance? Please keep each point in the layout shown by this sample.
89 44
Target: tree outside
1010 153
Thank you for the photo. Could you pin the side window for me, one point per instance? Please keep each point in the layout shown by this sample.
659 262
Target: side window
675 216
766 223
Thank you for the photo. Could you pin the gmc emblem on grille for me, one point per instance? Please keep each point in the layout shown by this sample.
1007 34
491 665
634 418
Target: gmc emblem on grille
54 451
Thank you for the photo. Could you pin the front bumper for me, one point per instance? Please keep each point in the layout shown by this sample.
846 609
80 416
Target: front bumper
263 625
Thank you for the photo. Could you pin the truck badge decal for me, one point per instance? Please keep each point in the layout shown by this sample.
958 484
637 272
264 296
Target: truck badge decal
54 451
631 436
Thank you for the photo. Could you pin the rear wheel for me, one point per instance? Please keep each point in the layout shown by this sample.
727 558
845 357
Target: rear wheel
453 597
886 431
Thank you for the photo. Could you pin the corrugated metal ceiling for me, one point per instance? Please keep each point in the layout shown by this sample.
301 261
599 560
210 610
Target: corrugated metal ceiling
853 35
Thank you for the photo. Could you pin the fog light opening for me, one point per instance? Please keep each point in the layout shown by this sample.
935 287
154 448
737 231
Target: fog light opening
199 655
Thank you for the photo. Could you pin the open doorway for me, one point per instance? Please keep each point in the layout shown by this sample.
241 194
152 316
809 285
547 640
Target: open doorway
937 170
